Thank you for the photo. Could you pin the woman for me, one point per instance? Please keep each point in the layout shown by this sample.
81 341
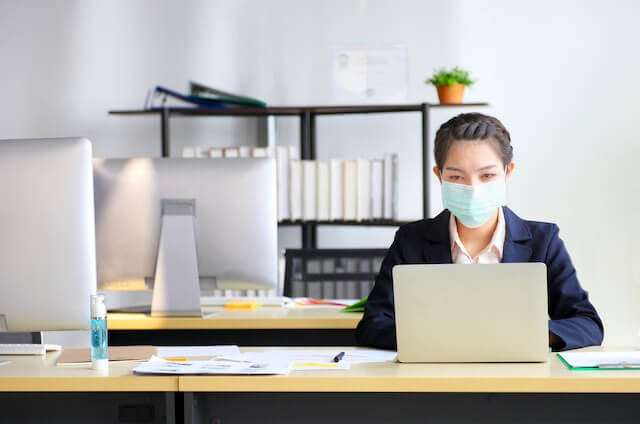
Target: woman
473 163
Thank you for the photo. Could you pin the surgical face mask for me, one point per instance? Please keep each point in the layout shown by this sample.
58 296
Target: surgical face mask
474 205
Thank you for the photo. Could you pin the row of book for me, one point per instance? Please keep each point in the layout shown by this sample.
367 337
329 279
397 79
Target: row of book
324 190
199 96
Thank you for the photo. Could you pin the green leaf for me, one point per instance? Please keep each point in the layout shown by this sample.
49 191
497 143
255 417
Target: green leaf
450 77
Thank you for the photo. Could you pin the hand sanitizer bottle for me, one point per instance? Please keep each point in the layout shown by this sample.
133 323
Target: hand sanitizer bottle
99 345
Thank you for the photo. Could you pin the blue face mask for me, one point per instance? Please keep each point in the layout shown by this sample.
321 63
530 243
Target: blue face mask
474 205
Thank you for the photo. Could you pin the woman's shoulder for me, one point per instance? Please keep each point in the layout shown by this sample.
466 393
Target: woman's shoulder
435 229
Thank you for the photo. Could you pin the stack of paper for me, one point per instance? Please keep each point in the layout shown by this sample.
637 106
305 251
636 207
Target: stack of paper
273 361
157 365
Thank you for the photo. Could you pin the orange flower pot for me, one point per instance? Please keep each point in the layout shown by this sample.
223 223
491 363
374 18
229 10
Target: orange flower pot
450 93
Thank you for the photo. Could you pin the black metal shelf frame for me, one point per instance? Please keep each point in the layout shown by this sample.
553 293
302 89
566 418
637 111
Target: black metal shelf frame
307 116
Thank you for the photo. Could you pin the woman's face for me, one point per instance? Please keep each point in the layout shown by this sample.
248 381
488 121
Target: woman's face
471 163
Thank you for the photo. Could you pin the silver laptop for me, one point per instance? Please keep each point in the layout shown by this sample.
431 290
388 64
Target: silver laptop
471 313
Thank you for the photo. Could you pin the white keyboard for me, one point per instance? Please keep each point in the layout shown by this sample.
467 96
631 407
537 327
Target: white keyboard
27 349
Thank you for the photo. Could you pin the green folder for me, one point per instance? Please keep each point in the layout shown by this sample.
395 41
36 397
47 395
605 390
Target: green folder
356 307
599 368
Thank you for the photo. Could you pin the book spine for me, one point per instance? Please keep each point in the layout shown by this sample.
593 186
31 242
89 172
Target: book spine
259 152
188 152
363 210
350 189
231 152
335 176
323 191
202 152
295 189
309 205
215 153
377 183
395 193
387 198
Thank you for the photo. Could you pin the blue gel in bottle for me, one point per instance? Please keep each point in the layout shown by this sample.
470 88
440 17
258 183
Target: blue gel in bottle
99 341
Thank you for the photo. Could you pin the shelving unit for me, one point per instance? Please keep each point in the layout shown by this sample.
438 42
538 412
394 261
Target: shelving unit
307 115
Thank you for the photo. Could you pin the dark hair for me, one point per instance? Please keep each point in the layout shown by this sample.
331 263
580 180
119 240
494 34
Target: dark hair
472 126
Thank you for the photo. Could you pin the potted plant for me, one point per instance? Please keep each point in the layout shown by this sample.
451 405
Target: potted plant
450 84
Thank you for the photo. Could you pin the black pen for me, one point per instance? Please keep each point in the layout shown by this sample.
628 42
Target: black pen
338 357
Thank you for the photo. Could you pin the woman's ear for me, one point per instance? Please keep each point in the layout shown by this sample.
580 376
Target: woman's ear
437 172
510 169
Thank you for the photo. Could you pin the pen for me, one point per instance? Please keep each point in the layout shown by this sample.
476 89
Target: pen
338 357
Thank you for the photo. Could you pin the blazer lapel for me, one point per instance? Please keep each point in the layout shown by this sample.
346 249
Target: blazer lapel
517 235
437 249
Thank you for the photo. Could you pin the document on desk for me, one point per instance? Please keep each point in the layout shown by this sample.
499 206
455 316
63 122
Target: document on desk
601 360
196 351
161 366
315 359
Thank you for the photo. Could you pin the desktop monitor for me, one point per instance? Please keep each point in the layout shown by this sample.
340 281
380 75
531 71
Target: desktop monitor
47 239
177 224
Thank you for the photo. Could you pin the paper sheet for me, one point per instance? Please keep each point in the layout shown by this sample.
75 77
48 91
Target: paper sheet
601 359
157 365
196 351
319 366
290 356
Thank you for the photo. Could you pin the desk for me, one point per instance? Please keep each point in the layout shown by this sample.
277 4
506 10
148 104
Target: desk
263 326
407 393
34 390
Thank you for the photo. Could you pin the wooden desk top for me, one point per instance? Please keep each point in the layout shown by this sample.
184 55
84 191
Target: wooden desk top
266 317
549 377
40 374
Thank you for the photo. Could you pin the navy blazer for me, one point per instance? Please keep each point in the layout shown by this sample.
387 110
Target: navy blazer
572 317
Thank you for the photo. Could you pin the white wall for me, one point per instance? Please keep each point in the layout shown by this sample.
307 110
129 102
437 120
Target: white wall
560 75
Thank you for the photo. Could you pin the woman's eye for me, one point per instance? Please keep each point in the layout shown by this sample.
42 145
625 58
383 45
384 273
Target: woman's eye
454 177
488 176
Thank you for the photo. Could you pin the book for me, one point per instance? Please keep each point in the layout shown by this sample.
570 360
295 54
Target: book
282 171
390 194
202 152
335 177
244 151
188 152
323 190
231 152
202 91
377 184
395 193
216 153
295 190
259 152
309 199
160 97
349 189
200 96
363 172
293 152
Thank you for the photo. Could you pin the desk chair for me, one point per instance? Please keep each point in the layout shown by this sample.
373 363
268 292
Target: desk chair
331 273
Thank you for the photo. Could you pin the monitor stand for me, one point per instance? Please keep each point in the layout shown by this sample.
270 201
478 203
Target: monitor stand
17 337
176 291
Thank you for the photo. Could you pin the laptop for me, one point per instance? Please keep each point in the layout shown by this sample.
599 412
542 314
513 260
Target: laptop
471 313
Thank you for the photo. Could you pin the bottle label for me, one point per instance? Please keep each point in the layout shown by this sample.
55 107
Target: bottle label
99 344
